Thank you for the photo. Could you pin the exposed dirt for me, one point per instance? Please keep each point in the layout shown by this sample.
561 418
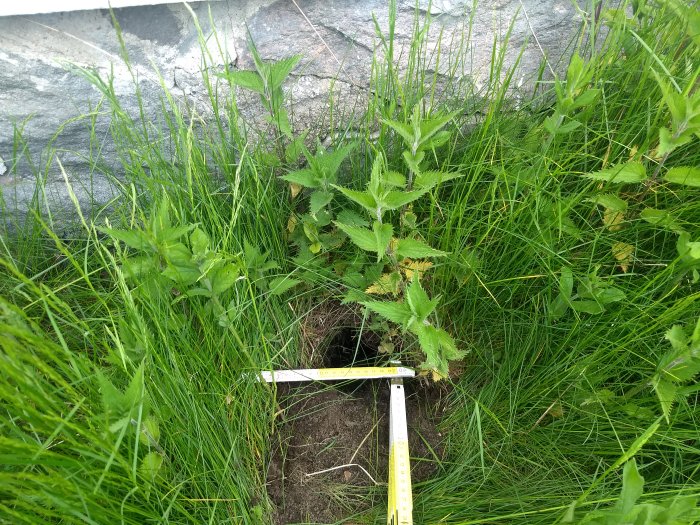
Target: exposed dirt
330 432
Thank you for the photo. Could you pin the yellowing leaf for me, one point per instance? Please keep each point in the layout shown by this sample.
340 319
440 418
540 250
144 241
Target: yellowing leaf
437 376
623 253
292 223
388 283
295 188
409 267
385 347
556 410
613 219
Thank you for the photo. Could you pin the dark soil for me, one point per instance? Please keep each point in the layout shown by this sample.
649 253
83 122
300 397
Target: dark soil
325 426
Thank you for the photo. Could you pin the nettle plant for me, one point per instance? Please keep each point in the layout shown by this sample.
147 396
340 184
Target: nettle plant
390 256
267 81
182 261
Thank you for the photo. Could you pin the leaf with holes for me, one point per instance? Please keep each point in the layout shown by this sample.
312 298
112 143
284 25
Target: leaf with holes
387 284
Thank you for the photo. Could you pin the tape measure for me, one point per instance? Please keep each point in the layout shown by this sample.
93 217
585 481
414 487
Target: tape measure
335 374
400 505
400 509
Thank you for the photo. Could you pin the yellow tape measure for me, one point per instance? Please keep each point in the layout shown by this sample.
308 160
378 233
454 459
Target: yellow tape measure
335 374
400 508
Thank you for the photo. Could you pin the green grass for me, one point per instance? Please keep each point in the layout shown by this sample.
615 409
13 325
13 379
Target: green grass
542 408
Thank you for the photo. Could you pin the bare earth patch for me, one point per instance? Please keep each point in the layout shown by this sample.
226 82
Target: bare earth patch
330 453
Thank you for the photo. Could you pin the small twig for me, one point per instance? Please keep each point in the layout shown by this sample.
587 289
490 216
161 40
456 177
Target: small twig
344 466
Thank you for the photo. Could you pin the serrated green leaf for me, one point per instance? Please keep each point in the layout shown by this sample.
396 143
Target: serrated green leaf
200 241
136 239
429 128
398 313
586 98
402 129
245 79
363 198
610 294
362 237
570 126
439 139
677 337
173 233
280 285
393 200
566 282
151 465
668 142
351 218
412 162
414 248
319 200
666 392
150 431
427 180
223 278
393 178
609 201
178 254
687 249
183 275
629 173
304 177
686 175
574 73
280 70
134 267
327 163
382 236
161 218
134 393
419 302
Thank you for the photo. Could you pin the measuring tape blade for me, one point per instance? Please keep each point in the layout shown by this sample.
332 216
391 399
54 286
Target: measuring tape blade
400 509
335 374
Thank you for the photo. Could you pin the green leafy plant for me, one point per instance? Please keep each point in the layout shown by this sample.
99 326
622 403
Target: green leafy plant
677 367
164 260
593 294
422 135
393 255
267 81
676 510
573 95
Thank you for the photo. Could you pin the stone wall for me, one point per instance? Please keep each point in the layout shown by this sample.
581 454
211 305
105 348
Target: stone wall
40 94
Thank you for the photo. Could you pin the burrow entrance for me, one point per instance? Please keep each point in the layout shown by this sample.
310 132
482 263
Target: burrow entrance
331 445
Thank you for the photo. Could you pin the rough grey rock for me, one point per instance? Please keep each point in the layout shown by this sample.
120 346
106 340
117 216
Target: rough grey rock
41 95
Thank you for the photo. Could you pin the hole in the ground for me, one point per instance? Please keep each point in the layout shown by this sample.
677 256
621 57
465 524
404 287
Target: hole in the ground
350 347
331 454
